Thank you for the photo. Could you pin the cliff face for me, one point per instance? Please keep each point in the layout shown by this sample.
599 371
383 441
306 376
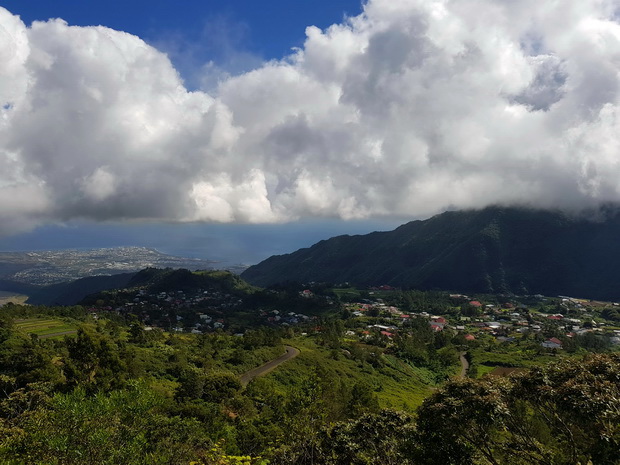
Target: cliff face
492 250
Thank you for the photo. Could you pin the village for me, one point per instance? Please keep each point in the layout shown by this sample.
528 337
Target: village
473 319
506 323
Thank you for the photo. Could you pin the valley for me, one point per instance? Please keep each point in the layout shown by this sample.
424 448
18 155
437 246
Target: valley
176 365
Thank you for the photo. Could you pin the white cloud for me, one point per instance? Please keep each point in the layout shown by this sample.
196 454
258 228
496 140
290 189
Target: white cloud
100 185
412 107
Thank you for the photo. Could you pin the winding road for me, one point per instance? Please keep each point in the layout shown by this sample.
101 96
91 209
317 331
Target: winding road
291 353
464 365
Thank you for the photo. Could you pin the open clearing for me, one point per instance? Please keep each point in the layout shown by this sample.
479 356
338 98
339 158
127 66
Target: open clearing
45 328
6 297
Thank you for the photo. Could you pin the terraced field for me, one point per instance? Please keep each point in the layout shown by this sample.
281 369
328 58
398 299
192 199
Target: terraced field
45 328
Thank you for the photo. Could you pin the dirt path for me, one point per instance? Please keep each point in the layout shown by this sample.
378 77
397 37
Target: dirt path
464 365
291 352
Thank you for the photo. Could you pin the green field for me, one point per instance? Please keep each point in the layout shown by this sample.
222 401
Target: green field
45 327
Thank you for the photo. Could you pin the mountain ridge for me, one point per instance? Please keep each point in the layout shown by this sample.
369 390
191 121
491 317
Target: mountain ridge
496 249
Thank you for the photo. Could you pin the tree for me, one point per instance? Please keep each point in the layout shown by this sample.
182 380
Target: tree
93 361
362 400
382 438
563 413
118 428
6 327
220 385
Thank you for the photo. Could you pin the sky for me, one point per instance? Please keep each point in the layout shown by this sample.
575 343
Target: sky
264 127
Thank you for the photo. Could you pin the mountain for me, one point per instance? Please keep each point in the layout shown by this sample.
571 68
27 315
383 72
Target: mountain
154 281
494 250
157 280
72 292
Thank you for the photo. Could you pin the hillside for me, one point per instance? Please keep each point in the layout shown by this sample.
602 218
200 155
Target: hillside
66 293
155 280
496 250
72 292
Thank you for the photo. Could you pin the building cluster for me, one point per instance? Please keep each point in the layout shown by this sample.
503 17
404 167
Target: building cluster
198 311
505 322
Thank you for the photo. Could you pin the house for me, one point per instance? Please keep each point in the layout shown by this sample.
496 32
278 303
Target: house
385 287
553 343
470 337
475 303
505 371
383 327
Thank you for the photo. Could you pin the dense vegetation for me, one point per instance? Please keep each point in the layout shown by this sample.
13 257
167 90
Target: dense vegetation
564 413
495 250
116 394
114 391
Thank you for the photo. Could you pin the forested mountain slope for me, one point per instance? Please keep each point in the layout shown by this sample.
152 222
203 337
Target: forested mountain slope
492 250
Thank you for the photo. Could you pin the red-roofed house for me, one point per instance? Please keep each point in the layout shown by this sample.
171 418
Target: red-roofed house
470 337
475 303
553 343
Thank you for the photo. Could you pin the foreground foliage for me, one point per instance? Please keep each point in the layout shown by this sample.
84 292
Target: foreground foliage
565 413
116 394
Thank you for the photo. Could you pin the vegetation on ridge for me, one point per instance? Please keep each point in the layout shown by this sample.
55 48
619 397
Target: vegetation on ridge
495 250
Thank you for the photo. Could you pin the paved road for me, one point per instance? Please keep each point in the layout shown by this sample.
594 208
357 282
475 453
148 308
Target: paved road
464 365
291 352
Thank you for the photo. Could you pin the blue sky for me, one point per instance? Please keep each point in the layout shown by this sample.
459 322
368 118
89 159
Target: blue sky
273 27
238 129
262 30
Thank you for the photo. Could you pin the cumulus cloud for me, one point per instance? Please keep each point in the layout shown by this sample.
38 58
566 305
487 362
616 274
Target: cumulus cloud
412 107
